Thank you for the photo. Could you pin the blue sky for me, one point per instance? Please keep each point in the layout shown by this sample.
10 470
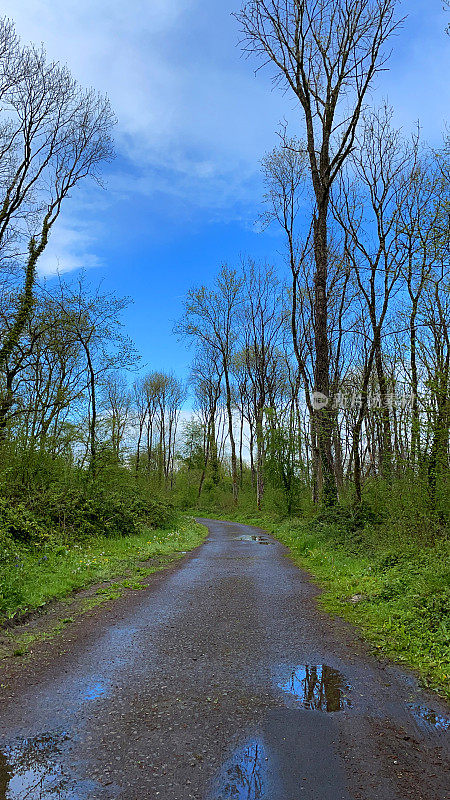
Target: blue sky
194 121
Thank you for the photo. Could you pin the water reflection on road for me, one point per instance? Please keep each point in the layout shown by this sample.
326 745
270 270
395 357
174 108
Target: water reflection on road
32 770
428 718
317 687
248 538
245 776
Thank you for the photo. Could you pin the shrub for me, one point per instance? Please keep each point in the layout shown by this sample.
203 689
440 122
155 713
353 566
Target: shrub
19 524
77 514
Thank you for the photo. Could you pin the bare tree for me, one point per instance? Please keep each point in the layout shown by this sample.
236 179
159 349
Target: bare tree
92 320
152 386
176 395
164 397
53 135
423 233
369 212
140 408
262 321
210 318
284 171
117 401
327 52
206 377
435 347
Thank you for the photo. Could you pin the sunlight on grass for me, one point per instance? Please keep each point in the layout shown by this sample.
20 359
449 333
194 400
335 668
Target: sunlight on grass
34 578
396 592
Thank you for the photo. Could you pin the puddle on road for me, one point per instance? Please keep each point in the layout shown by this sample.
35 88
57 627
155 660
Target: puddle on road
319 687
429 719
248 538
246 775
93 691
32 771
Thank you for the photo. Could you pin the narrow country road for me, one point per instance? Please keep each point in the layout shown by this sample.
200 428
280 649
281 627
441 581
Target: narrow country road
221 681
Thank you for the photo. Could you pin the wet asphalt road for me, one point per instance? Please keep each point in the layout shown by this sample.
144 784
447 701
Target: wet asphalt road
222 681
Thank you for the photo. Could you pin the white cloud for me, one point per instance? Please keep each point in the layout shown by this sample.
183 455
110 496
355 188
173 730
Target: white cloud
70 247
180 89
193 120
178 102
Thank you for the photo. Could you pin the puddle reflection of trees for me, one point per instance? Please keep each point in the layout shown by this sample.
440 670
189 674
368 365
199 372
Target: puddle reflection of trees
429 718
30 772
5 775
244 777
318 687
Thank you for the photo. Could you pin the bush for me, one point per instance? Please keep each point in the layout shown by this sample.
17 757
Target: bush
155 513
350 518
19 524
77 514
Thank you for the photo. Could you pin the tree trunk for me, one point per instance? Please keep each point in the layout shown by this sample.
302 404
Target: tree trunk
324 416
26 299
215 471
149 442
259 458
338 466
241 445
415 421
93 415
386 435
138 453
234 471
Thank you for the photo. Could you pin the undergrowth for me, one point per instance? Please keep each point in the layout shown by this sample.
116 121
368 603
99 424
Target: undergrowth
33 576
388 573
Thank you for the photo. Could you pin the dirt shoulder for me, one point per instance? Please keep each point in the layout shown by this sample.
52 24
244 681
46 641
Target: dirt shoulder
24 635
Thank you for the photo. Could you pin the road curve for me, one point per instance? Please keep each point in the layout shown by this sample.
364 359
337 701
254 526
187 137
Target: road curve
221 681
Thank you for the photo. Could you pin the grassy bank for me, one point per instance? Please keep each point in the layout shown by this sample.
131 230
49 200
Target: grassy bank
391 580
35 576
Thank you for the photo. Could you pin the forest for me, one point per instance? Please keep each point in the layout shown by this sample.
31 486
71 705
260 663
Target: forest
318 399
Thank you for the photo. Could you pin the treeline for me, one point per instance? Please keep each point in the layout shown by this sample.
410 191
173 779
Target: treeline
322 379
339 376
61 343
255 397
76 437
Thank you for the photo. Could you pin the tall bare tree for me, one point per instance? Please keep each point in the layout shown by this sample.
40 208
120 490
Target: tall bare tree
92 321
262 321
327 52
53 135
140 409
210 318
369 212
117 401
206 377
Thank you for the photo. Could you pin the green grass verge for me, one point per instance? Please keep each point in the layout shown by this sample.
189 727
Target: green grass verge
400 591
34 578
399 580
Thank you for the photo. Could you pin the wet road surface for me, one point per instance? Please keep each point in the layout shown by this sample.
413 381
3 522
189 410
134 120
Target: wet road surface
221 681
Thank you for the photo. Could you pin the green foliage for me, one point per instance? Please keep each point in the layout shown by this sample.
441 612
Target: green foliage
401 582
19 524
192 453
282 467
60 529
349 519
31 576
47 499
75 514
